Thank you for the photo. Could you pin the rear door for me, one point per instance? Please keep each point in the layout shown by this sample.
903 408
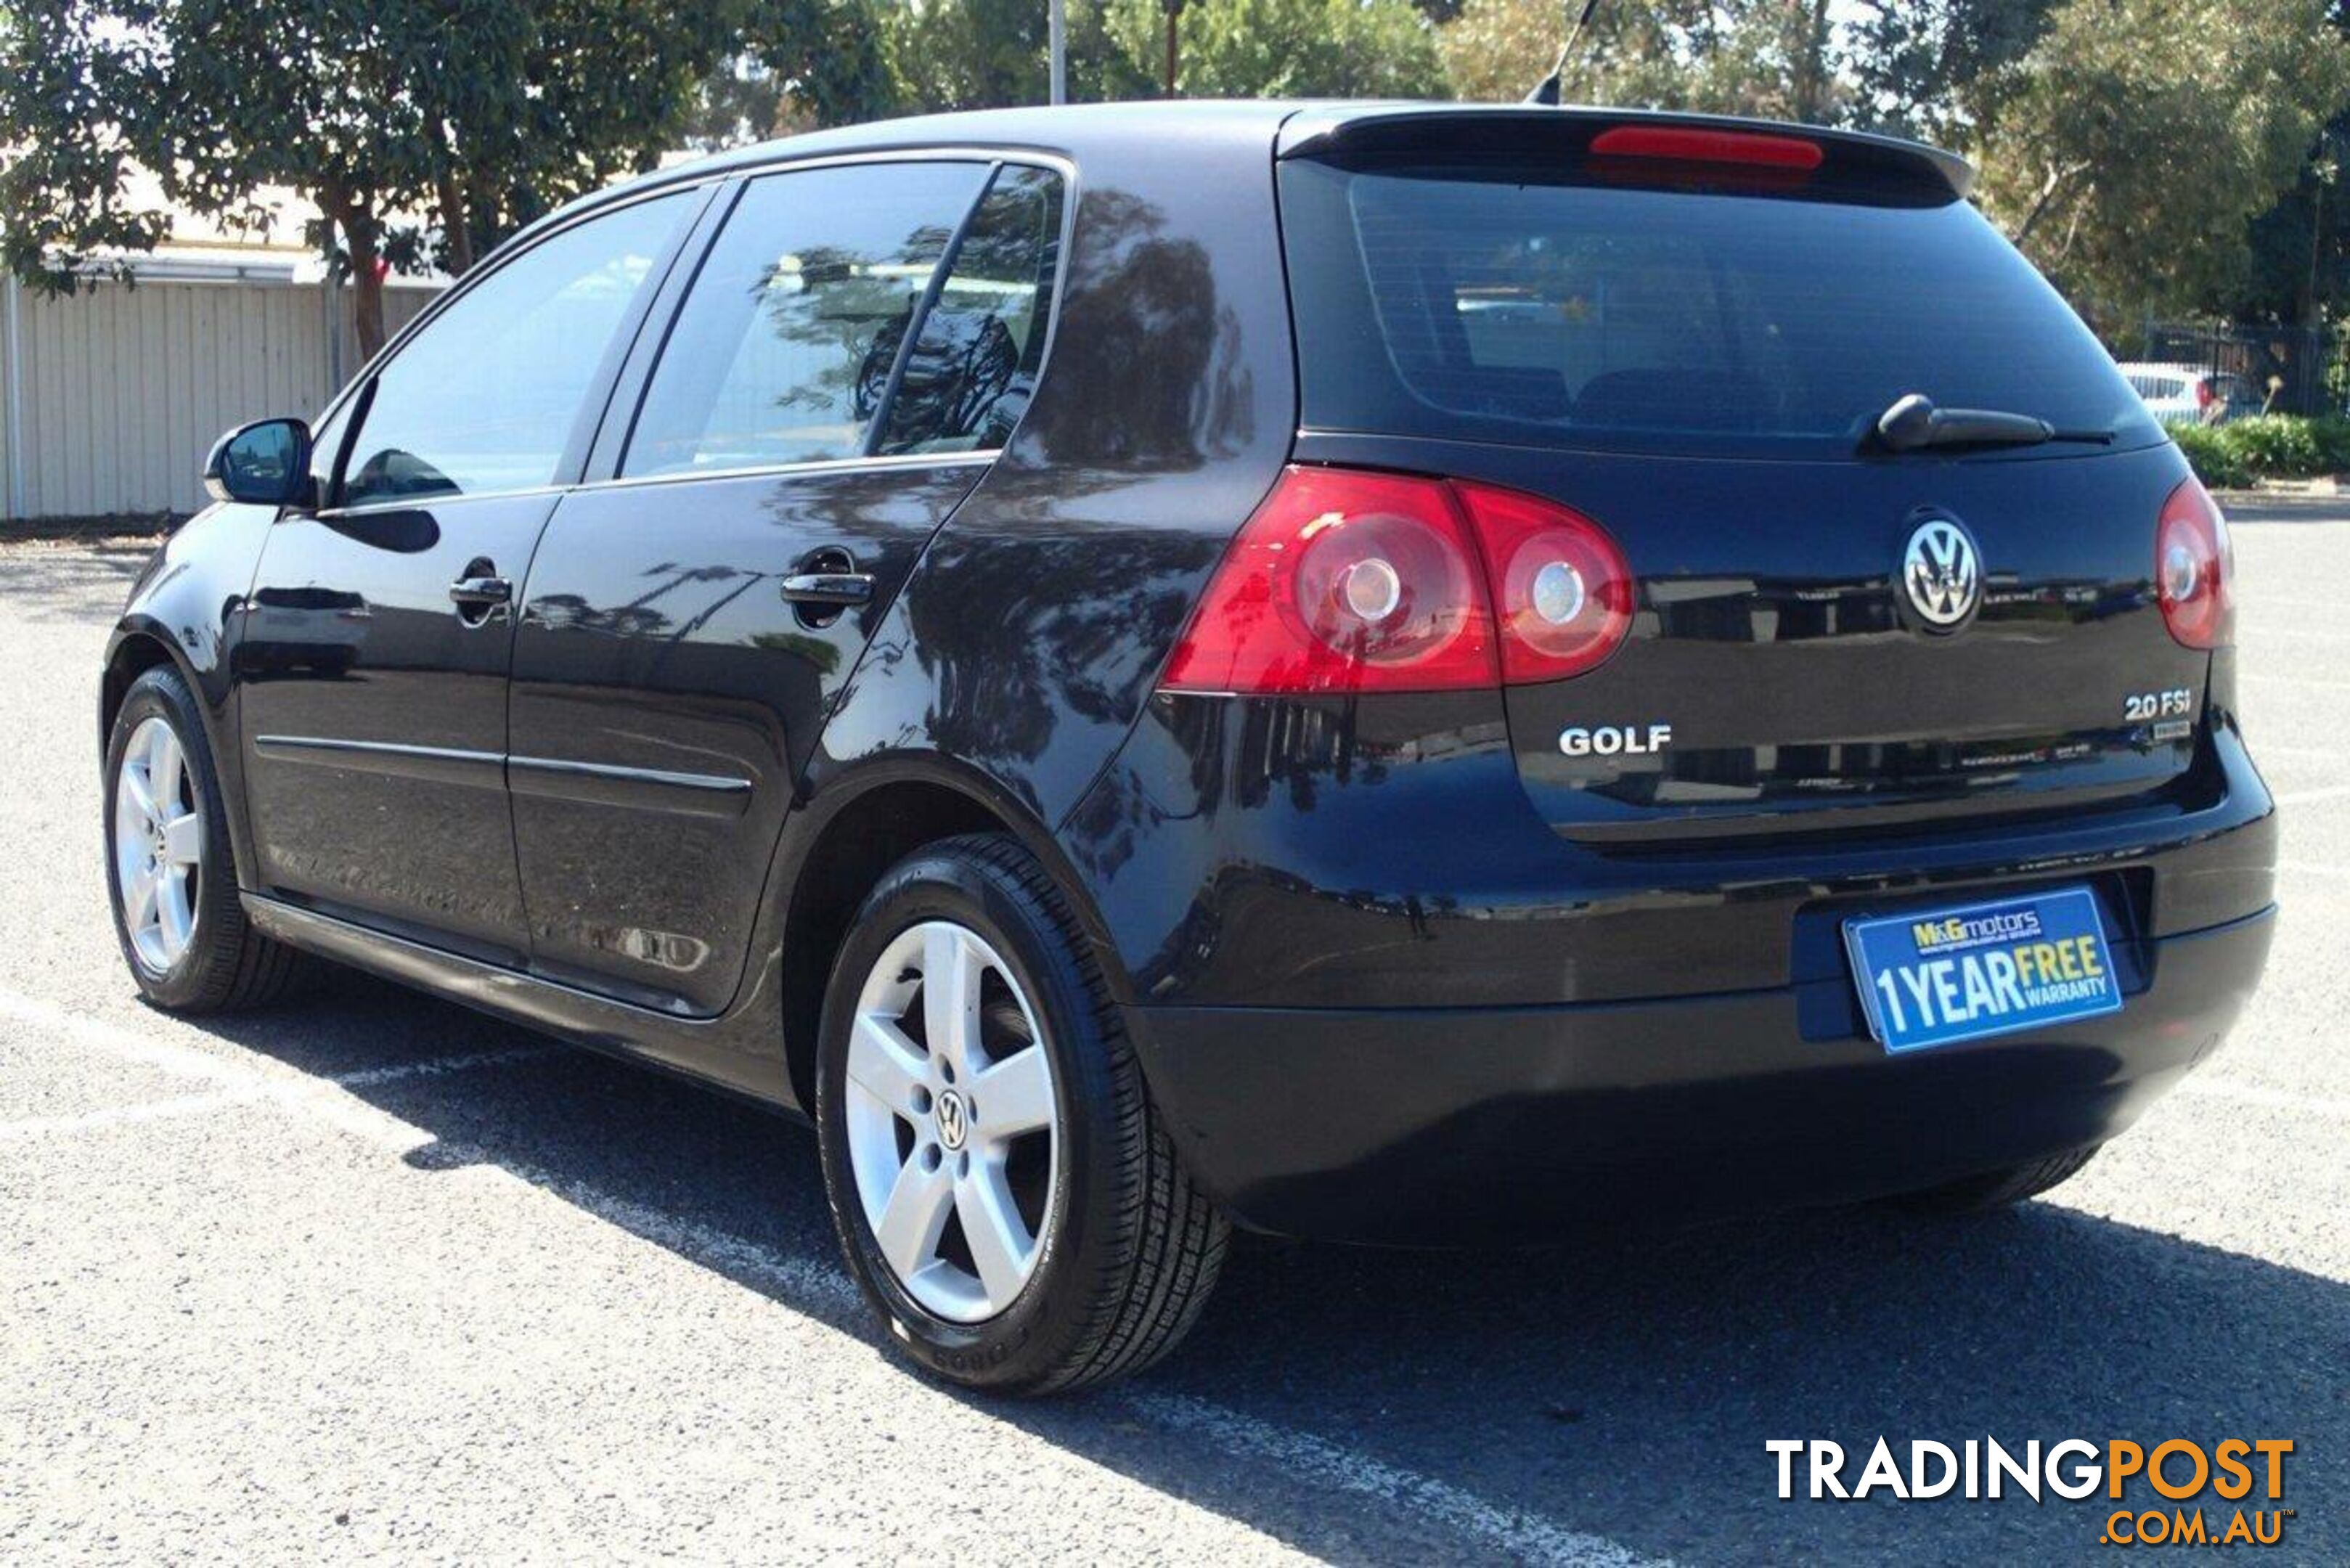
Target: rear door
1695 354
379 633
855 346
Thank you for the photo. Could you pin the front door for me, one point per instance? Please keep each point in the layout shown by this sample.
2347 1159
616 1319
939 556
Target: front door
379 633
849 357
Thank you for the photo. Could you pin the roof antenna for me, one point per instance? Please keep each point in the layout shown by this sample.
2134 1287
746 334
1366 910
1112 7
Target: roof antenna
1547 94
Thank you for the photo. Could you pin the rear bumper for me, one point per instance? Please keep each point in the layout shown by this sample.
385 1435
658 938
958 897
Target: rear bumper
1435 1124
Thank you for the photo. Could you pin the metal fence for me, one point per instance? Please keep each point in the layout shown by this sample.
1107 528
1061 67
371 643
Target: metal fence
111 399
2277 370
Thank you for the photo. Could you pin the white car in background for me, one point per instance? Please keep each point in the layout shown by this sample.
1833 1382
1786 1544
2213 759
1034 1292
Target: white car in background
2192 394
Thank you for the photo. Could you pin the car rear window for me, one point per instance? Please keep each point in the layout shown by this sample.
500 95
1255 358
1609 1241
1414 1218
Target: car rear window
1513 304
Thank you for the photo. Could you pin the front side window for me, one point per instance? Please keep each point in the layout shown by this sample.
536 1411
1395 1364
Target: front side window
484 398
782 350
975 365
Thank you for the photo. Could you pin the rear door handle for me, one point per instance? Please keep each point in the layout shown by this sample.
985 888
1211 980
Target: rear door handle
829 587
480 592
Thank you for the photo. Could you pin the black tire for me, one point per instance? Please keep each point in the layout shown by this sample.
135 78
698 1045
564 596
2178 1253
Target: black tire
226 965
1995 1190
1131 1248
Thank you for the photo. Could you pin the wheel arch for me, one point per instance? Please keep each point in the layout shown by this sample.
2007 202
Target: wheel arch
140 644
841 843
135 648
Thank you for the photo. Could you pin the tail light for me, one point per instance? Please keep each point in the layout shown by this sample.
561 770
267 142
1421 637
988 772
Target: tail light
2205 393
1350 581
2195 569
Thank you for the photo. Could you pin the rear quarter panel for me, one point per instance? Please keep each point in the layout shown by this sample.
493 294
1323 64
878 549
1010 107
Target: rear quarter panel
1023 650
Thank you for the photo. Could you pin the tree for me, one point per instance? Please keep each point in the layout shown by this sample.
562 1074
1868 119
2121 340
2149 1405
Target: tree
1307 48
990 54
809 63
2140 136
2300 267
480 113
1776 57
574 96
1934 70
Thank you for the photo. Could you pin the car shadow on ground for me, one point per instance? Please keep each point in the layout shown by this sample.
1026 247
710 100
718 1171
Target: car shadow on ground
1624 1385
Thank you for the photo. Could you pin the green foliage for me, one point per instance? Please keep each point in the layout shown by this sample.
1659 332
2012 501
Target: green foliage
1729 56
985 54
480 113
988 54
2216 463
2272 446
1939 69
804 65
52 184
1307 48
2301 247
2141 136
2152 155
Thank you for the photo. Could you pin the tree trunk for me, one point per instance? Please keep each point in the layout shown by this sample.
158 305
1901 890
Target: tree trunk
456 231
456 226
1810 61
2056 181
1174 16
367 280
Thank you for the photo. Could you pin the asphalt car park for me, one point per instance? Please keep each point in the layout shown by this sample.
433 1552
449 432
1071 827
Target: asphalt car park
369 1275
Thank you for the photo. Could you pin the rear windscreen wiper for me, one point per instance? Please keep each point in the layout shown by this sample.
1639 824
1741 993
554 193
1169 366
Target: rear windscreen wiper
1914 423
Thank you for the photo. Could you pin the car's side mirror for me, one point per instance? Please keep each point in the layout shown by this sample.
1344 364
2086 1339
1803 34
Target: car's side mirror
266 464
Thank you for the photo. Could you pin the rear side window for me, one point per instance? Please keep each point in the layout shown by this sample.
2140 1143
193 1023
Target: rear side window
783 351
484 398
974 367
1503 304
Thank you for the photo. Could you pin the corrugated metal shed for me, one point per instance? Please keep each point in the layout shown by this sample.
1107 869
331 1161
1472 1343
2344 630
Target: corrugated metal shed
115 394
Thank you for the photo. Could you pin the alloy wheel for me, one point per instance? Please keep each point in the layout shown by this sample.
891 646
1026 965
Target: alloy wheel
954 1128
158 845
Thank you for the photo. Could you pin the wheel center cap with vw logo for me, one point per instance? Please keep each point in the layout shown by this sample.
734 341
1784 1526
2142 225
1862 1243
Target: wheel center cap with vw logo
1943 572
954 1120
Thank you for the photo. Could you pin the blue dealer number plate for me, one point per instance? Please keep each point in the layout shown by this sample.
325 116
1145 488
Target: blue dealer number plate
1938 976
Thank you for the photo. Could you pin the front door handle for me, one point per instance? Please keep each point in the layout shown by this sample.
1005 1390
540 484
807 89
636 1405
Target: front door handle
480 592
829 588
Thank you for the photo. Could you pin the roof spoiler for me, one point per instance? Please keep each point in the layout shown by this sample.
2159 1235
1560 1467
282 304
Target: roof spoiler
1342 134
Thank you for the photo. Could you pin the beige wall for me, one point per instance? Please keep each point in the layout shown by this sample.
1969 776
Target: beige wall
124 389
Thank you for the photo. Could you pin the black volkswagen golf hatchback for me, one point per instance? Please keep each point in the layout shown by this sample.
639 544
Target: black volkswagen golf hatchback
1384 673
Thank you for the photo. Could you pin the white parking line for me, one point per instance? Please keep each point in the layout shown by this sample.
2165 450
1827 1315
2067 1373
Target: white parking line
2266 633
32 1127
272 1088
2314 682
811 1286
2275 602
1526 1537
129 1044
825 1288
2265 1097
2311 796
